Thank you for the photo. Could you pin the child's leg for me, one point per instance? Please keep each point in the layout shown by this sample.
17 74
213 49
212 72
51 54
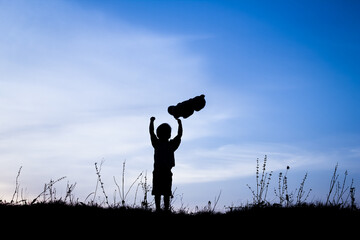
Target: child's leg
157 202
167 202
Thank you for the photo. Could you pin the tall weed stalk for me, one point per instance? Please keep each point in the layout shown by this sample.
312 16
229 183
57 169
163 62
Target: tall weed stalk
339 193
262 184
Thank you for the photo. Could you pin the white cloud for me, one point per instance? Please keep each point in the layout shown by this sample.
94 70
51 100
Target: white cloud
77 86
239 160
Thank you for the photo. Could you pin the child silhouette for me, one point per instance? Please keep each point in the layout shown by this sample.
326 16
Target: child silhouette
164 160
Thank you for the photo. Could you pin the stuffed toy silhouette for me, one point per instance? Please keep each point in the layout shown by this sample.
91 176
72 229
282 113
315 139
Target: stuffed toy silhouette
186 108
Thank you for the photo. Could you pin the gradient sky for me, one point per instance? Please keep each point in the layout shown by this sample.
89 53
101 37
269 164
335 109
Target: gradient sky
79 81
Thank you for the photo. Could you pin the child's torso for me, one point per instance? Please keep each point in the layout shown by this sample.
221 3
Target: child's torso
164 155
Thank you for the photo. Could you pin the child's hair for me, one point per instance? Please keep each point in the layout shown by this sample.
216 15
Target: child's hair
163 131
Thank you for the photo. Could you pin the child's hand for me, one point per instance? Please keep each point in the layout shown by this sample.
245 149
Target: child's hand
152 119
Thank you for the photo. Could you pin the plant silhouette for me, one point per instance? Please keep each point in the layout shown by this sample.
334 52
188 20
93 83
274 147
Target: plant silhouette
164 160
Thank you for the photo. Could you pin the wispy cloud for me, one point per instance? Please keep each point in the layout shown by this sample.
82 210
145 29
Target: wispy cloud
239 160
78 86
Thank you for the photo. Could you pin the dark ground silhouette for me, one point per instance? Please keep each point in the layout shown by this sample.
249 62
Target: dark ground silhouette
55 220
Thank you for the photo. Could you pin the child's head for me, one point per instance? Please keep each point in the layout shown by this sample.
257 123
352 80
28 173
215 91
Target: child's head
163 131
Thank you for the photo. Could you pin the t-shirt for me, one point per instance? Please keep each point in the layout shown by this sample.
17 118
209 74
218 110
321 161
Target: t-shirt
164 152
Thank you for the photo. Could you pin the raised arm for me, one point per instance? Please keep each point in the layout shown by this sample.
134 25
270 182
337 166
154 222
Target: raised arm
177 140
151 131
151 127
180 128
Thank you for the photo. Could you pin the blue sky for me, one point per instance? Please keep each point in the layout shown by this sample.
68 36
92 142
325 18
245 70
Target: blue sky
80 79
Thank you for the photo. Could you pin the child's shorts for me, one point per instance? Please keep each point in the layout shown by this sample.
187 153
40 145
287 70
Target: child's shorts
162 180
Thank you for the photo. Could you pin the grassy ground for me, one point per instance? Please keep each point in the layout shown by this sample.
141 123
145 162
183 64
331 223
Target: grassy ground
48 216
61 219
